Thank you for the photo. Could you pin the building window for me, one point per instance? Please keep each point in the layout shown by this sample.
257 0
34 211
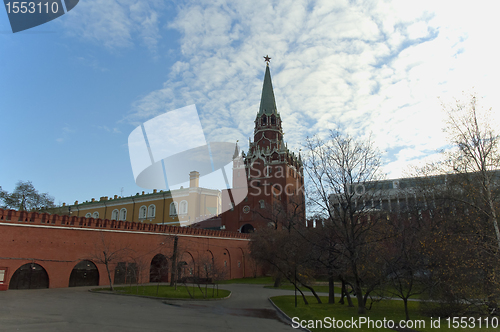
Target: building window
184 207
2 276
95 215
88 215
173 208
142 212
151 211
114 214
123 214
262 204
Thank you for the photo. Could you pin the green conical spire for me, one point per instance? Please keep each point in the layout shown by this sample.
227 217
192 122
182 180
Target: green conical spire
267 102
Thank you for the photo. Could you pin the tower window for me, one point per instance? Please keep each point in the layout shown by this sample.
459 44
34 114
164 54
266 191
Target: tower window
264 120
273 120
262 204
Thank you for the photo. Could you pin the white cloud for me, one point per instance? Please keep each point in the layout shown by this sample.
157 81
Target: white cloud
116 23
372 66
113 130
66 132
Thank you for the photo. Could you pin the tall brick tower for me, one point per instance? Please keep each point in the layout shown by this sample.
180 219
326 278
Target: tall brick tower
274 174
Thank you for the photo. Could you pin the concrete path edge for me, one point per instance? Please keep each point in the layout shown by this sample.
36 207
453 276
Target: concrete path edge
286 317
164 299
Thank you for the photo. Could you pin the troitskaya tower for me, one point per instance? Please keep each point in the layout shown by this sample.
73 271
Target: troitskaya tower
273 173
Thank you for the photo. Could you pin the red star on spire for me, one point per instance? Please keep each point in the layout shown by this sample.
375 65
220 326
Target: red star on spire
267 59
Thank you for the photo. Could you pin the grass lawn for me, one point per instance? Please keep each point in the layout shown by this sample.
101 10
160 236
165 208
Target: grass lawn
388 309
256 281
324 289
165 291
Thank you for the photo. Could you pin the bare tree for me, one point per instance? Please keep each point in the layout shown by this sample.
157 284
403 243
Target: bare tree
140 270
403 257
475 159
288 253
338 169
463 246
284 218
462 270
108 253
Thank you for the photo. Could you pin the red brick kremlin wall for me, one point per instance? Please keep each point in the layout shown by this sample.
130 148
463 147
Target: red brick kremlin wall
58 243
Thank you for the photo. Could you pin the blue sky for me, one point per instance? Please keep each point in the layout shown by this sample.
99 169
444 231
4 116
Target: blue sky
73 89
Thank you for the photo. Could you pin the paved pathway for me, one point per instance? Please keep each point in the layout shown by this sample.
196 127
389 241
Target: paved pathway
76 309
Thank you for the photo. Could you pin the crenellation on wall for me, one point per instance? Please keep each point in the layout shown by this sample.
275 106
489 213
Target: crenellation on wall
46 219
57 244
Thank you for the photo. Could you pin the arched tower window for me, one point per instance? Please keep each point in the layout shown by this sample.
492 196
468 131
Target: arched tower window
114 214
247 228
273 120
151 211
123 214
142 212
264 120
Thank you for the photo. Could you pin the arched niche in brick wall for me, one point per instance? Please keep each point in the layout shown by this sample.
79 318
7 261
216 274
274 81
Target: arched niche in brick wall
84 273
158 271
29 276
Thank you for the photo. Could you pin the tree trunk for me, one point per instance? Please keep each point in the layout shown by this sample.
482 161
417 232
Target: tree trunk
349 300
187 288
405 300
303 296
361 301
312 291
491 208
342 292
109 277
277 281
331 289
173 275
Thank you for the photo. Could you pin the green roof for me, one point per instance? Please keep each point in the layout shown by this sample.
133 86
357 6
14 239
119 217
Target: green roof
267 101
